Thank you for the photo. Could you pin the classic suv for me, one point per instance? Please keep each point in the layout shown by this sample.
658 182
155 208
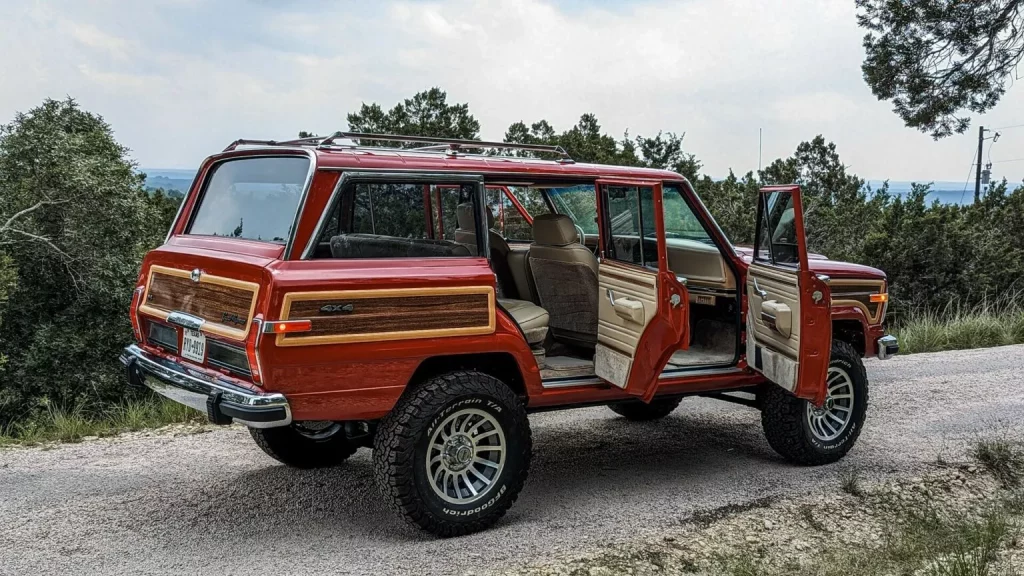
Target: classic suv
421 301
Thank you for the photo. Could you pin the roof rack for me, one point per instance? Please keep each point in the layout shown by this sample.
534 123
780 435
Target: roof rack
448 146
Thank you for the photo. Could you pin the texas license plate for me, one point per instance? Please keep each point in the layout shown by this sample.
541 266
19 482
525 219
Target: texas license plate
193 345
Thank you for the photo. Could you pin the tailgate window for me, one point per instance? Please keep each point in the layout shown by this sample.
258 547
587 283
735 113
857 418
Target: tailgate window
252 198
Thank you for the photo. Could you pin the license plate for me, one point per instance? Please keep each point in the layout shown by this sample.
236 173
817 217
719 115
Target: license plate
193 345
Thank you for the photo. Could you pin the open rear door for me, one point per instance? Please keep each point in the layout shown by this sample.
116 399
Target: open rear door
642 307
789 328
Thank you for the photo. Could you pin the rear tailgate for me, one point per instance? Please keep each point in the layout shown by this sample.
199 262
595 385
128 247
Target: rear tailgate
191 293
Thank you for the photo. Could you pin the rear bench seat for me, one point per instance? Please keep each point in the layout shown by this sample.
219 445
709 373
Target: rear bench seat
532 319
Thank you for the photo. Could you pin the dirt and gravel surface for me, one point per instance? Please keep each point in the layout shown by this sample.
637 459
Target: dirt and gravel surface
212 503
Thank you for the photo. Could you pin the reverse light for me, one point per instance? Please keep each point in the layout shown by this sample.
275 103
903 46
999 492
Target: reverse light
880 298
251 353
133 313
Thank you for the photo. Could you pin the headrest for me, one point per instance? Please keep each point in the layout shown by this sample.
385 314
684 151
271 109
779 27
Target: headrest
554 230
464 215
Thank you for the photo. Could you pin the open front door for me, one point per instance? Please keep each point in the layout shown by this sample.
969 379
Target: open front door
643 309
789 327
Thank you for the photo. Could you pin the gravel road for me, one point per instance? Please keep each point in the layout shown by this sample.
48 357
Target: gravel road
212 503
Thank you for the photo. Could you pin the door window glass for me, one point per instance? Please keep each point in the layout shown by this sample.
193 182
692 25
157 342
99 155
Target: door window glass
777 240
632 235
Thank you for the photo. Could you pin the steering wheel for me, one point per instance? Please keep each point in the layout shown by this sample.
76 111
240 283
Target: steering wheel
582 235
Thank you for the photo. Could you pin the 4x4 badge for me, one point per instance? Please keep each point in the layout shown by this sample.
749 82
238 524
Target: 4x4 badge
337 309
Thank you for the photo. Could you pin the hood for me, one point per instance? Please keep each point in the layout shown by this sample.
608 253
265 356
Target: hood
822 265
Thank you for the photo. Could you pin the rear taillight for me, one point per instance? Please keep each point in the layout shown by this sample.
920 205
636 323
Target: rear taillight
252 352
133 313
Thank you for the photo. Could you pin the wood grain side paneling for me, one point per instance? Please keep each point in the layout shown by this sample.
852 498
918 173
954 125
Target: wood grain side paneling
226 304
389 314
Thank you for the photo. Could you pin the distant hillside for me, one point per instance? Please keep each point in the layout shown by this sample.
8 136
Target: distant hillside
170 180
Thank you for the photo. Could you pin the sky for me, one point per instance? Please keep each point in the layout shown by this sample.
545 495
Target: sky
179 79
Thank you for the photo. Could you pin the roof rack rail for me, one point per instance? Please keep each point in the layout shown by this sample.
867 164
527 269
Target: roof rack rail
448 146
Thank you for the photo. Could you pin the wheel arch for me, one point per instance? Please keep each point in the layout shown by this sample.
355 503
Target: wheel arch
500 365
851 329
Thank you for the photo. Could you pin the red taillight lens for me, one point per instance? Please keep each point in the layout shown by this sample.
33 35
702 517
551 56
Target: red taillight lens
251 352
133 313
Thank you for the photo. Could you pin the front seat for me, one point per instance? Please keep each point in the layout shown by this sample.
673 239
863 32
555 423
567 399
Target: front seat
465 234
565 275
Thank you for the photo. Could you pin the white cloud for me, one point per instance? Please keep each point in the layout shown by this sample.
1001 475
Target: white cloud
179 79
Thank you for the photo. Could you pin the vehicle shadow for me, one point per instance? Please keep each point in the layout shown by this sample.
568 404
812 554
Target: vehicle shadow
585 461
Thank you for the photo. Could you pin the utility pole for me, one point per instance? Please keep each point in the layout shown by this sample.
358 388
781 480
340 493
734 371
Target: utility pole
977 178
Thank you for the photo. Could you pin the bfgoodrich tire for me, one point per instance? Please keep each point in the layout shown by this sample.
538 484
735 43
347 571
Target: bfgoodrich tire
453 454
305 444
637 411
805 435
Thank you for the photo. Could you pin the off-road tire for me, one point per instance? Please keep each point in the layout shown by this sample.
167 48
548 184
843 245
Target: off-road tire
401 445
288 446
784 416
637 411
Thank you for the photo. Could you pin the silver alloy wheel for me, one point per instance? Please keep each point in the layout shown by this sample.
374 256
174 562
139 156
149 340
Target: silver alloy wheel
831 420
317 429
466 454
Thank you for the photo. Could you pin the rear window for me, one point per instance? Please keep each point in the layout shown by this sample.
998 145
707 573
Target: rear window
252 198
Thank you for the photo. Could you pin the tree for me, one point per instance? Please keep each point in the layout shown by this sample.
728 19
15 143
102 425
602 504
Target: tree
425 114
76 223
938 59
584 142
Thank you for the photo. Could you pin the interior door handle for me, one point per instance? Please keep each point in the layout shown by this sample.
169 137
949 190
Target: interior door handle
757 288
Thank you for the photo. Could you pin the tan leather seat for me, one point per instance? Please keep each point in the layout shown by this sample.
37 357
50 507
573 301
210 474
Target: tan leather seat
532 319
565 277
465 235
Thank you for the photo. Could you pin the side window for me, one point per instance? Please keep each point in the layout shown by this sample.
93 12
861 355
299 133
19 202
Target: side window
777 241
633 238
395 220
578 203
508 221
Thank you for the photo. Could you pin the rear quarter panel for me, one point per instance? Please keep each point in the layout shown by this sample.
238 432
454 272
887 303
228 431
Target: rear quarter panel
356 365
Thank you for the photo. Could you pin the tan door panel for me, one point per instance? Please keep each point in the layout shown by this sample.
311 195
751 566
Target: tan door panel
620 325
780 347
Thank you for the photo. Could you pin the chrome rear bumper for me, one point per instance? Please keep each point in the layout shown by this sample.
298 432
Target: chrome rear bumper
220 400
887 347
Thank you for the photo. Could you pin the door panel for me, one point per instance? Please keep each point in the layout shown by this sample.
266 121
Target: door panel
789 329
620 325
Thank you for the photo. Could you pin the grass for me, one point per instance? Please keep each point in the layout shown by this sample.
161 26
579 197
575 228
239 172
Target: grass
1002 459
956 327
850 483
59 424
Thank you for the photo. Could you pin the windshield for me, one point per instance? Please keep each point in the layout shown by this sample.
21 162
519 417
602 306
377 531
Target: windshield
252 198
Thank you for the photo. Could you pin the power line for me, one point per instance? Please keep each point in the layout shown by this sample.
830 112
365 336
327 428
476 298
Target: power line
1011 160
968 180
1008 127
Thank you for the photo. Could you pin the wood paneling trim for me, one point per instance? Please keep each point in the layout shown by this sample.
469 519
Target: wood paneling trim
386 314
160 305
